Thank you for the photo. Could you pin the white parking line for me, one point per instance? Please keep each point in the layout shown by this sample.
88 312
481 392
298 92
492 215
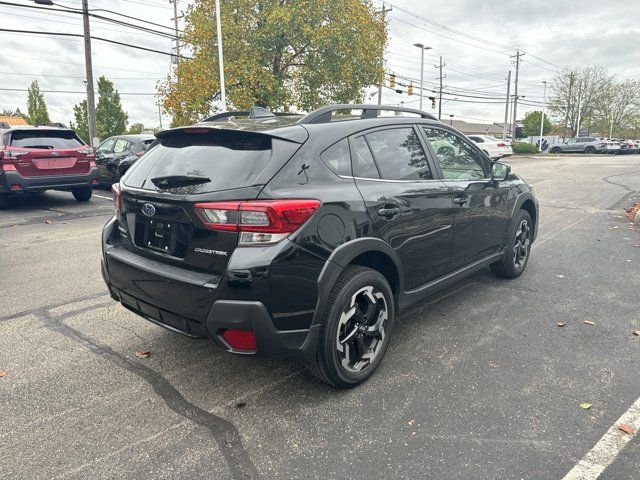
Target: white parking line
106 198
608 447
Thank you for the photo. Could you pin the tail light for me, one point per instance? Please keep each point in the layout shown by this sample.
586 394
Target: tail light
501 145
12 154
260 222
86 151
117 196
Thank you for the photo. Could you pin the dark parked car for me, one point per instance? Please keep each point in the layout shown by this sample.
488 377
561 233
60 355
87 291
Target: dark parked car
35 159
306 237
116 154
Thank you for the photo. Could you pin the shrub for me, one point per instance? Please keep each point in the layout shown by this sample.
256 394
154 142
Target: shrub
523 147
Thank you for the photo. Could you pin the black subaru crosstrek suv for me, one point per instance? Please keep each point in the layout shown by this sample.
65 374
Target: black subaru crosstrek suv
306 236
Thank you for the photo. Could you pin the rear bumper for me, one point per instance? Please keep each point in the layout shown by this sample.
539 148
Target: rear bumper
189 303
46 182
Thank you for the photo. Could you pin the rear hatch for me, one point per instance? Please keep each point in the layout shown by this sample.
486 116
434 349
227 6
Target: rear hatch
191 167
41 151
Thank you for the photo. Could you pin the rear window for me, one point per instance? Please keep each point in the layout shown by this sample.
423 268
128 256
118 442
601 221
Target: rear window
227 159
47 139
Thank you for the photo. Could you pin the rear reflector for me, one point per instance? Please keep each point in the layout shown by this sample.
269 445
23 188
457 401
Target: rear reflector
240 339
15 187
94 181
501 145
258 221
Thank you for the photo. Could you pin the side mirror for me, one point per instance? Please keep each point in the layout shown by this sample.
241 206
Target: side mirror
500 171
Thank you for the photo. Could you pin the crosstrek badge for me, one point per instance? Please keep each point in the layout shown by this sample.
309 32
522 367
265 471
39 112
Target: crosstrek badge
210 252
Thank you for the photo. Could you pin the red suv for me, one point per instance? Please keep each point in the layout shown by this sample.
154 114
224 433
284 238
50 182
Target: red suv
34 159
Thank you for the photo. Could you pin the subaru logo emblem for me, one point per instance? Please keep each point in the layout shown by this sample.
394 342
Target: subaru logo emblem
148 209
55 154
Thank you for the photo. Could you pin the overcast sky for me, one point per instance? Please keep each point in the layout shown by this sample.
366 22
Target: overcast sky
474 37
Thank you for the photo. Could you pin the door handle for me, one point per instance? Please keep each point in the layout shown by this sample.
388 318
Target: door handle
461 200
389 211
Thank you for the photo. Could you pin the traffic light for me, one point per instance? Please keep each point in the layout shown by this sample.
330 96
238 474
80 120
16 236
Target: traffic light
392 81
410 89
433 102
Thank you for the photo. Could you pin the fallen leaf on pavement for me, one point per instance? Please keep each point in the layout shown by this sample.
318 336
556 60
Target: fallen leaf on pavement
589 322
585 406
626 429
47 221
411 422
636 333
143 353
561 324
2 373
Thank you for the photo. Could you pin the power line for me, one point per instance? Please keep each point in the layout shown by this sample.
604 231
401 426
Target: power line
34 32
70 91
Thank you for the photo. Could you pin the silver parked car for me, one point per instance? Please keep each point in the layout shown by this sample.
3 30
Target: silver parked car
579 144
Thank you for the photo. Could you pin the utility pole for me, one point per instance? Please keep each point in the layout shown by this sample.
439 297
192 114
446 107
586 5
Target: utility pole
381 84
544 101
160 115
91 101
223 94
176 30
566 118
506 107
515 93
440 77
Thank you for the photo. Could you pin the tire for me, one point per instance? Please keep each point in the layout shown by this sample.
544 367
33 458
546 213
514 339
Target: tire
518 251
352 321
4 201
554 150
83 194
590 150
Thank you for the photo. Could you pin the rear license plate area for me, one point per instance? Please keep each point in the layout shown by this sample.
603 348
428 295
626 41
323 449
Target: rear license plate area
170 238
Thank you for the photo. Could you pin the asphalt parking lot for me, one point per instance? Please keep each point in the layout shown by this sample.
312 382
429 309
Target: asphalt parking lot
478 383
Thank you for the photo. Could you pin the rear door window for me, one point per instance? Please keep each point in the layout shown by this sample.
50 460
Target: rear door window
364 166
45 139
224 159
399 154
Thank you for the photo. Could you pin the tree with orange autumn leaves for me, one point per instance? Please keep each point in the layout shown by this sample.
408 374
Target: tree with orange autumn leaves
279 54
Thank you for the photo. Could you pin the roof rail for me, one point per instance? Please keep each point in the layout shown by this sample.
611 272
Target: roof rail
323 115
256 113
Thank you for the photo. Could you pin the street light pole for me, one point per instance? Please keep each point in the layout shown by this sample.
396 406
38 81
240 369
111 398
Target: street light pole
544 101
223 94
422 49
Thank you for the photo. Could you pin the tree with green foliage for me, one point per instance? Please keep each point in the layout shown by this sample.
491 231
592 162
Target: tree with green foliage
81 126
136 128
277 54
37 113
111 119
531 124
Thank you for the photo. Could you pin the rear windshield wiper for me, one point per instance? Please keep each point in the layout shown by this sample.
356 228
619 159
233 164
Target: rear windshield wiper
171 181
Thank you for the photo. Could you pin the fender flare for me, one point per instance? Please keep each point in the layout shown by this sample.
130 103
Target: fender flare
520 199
341 257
